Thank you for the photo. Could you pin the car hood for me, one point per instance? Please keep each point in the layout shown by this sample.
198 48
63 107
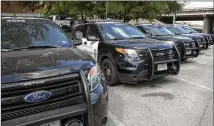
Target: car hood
31 64
175 38
203 34
192 36
143 43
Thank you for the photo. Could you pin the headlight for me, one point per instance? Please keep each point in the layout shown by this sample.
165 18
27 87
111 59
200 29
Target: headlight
94 77
204 40
199 40
186 44
193 44
170 42
130 53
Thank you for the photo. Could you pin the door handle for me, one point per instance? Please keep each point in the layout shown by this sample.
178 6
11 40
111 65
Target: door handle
85 43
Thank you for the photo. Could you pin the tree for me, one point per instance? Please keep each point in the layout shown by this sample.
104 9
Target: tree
125 10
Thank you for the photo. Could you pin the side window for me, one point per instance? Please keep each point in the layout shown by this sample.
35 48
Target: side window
83 29
92 31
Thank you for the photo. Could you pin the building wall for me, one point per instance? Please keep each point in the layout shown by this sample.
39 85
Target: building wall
14 8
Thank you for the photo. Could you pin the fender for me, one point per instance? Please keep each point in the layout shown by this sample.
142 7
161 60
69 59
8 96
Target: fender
109 56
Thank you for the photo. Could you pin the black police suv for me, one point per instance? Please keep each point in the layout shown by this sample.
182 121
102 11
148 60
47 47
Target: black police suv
209 38
123 52
45 80
177 30
187 47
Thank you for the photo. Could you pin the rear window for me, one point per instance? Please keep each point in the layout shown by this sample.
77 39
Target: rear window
23 34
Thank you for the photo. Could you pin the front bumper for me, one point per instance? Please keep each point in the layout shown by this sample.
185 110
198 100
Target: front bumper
92 112
188 52
49 116
148 71
193 52
203 45
148 74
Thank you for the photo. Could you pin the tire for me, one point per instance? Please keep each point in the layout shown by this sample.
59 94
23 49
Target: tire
110 72
184 59
207 46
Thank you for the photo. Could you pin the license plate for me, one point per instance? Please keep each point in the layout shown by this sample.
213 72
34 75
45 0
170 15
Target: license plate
162 67
55 123
188 52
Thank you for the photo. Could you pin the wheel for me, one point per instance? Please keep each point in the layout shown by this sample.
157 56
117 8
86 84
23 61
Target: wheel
184 59
110 72
207 46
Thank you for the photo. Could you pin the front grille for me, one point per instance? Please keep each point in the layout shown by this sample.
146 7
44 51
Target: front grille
163 54
66 91
41 108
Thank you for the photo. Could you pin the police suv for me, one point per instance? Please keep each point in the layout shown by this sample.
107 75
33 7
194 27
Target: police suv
187 47
45 80
124 53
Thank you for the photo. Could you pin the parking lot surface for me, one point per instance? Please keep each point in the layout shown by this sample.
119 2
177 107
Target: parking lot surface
182 100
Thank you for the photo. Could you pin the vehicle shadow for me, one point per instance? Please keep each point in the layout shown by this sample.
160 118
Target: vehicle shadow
156 83
188 61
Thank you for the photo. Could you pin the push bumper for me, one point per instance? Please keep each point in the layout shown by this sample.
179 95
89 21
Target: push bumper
190 53
100 106
49 116
202 45
173 67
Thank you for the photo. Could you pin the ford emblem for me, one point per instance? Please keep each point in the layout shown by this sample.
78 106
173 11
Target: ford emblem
37 96
160 54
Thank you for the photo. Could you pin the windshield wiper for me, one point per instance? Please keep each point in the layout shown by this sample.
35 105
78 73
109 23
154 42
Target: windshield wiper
119 38
159 35
35 47
137 38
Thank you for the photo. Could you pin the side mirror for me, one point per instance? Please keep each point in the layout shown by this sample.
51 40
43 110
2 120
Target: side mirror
149 34
78 36
93 38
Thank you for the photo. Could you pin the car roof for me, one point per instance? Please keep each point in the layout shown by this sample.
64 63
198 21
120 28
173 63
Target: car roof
152 25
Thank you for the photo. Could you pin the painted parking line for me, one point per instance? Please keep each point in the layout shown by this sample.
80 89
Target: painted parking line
115 119
192 83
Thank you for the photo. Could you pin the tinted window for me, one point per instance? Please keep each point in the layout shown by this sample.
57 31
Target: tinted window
24 34
190 30
177 30
83 29
92 31
120 31
158 31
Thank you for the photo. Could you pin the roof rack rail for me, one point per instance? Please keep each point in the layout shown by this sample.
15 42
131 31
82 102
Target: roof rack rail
107 21
30 15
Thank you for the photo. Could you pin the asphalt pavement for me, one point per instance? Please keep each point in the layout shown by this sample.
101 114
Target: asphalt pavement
182 100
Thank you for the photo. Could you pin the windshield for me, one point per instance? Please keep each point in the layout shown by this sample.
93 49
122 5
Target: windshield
190 30
120 31
32 33
158 31
177 30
